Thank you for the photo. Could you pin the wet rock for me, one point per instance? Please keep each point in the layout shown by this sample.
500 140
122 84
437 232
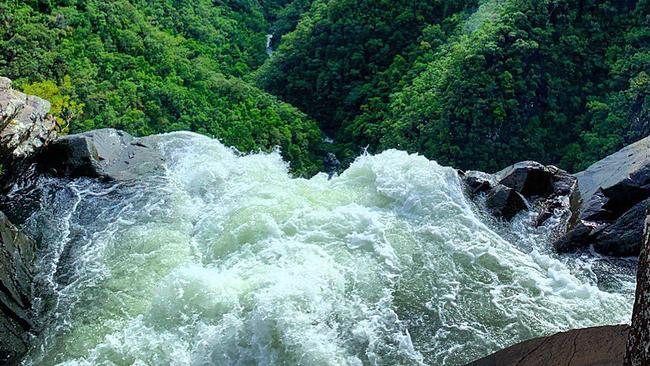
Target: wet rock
505 202
107 153
477 182
546 187
621 237
16 274
578 237
638 342
598 346
625 236
24 123
614 193
529 178
613 185
332 165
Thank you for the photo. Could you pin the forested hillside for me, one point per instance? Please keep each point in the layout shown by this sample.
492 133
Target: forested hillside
477 84
149 66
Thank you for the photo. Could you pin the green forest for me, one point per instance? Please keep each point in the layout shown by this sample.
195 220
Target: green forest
473 84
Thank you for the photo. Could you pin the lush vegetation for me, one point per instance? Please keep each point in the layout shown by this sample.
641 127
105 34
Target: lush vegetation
149 66
477 84
559 81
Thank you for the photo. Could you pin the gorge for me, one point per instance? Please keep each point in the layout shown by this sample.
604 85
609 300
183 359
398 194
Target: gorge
175 249
325 182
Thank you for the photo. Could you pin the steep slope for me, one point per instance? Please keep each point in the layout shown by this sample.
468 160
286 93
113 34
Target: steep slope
150 66
479 87
529 79
326 65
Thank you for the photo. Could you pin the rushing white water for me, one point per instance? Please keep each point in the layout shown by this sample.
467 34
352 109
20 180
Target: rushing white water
269 46
227 260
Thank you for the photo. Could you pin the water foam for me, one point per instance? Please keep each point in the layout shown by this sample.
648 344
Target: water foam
227 260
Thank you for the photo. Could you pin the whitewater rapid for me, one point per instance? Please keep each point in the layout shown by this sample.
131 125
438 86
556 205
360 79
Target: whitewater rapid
225 259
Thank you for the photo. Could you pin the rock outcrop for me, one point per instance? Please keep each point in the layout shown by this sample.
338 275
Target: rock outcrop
16 257
523 185
614 194
107 153
638 342
505 201
599 346
25 128
24 123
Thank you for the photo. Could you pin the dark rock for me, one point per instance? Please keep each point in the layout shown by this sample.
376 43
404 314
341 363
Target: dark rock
477 182
16 274
613 185
625 236
529 178
622 237
598 346
547 188
505 202
594 209
638 342
614 194
332 165
578 237
564 196
107 153
24 123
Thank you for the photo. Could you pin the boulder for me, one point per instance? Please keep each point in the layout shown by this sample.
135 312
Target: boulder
598 346
529 178
477 182
505 202
107 153
613 185
614 193
638 341
546 187
578 237
16 275
621 238
624 237
24 123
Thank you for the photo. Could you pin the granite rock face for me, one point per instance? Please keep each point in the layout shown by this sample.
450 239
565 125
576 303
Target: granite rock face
505 202
599 346
614 194
638 342
107 153
24 123
16 274
25 128
527 184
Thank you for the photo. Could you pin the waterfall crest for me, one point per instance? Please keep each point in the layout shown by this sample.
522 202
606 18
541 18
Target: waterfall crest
224 258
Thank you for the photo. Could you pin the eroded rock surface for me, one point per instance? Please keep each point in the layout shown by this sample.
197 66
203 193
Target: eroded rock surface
16 274
638 342
107 153
598 346
24 123
526 184
614 195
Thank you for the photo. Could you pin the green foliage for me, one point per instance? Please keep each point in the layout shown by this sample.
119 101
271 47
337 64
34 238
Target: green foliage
64 108
474 83
558 81
327 65
148 66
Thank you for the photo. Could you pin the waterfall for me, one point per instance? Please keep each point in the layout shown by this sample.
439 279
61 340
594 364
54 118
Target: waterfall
269 46
226 259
